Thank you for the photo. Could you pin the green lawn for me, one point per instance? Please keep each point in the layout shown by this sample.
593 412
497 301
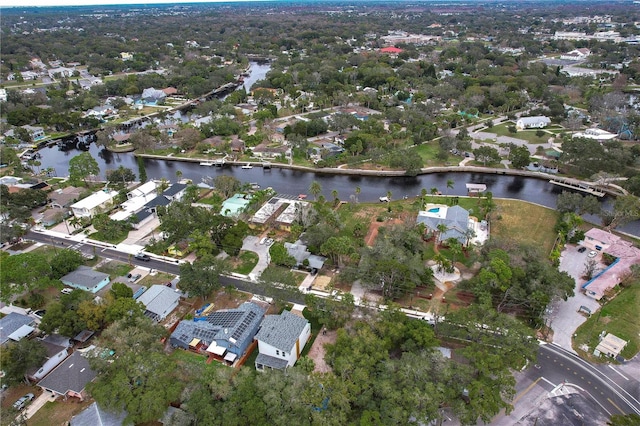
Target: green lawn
619 317
524 222
502 129
248 260
429 151
193 362
115 268
113 239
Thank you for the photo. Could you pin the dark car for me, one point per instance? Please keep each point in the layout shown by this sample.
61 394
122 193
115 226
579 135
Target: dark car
142 256
582 249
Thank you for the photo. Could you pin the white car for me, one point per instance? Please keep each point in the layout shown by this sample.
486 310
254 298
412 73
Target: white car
592 254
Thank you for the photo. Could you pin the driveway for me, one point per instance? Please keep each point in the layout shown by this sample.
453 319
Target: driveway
38 403
565 318
252 243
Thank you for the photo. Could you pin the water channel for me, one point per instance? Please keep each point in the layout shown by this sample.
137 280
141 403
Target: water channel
293 182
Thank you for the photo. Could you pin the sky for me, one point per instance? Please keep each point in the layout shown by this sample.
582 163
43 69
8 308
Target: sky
29 3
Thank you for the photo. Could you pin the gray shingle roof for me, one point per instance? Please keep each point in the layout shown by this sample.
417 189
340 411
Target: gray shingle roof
94 415
85 277
456 220
11 323
281 331
158 299
72 375
174 189
271 362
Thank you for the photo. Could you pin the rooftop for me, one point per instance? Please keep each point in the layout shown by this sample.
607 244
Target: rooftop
12 323
84 276
72 375
281 331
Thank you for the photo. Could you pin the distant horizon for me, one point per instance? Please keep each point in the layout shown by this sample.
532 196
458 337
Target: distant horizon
65 3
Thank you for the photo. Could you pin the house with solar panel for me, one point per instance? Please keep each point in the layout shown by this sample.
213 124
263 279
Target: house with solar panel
280 340
224 335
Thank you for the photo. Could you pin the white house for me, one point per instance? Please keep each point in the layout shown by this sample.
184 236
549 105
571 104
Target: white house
537 122
159 301
92 205
55 355
280 340
144 190
576 55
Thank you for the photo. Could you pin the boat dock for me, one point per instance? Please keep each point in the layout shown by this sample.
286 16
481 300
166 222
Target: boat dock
577 185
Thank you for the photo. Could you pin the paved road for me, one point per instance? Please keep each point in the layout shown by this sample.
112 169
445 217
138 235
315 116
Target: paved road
558 365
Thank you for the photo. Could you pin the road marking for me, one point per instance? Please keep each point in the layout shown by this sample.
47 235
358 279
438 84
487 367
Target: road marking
103 250
622 375
614 404
551 383
526 390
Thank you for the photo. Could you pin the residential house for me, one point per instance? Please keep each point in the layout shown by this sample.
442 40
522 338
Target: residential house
3 95
265 151
536 122
455 219
85 278
300 253
126 56
55 355
93 204
63 198
144 190
175 192
225 334
152 96
15 326
170 91
576 54
50 217
626 255
35 132
70 378
391 50
281 339
159 301
232 207
280 211
94 415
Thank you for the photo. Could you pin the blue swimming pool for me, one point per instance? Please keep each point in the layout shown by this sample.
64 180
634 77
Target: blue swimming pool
434 210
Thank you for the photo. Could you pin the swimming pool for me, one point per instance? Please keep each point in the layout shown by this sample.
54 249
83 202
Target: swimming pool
434 210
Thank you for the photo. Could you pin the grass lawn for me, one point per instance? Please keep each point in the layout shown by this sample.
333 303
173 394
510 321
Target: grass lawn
619 317
194 363
113 239
524 222
158 278
248 260
115 268
429 151
57 412
527 135
315 329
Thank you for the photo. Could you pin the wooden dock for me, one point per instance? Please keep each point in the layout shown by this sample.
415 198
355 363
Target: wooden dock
577 185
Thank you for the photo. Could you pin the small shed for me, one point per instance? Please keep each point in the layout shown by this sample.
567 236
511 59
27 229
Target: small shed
611 345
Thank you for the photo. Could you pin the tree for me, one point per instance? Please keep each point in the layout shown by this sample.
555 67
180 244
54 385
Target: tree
202 277
188 137
23 272
142 171
140 380
82 166
18 358
120 290
315 189
226 185
519 157
280 256
577 203
120 176
625 209
486 154
450 184
331 312
65 261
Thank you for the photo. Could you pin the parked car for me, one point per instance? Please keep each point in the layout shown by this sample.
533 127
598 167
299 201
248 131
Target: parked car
143 257
582 249
134 278
592 254
269 241
40 313
22 402
66 290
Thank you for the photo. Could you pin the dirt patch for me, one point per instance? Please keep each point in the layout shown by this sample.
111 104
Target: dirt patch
318 351
321 282
374 228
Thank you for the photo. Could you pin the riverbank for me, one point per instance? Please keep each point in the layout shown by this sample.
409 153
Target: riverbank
379 173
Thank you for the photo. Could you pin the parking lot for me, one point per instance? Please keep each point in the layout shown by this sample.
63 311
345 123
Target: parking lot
565 317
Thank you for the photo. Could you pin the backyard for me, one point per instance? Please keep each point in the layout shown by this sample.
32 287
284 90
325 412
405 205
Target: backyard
619 317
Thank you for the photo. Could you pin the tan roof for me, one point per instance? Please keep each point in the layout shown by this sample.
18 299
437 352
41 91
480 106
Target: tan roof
611 345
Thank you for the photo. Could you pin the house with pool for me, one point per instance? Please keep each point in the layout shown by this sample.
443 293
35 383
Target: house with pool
458 224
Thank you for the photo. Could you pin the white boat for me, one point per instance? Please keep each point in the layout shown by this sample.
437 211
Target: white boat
247 166
254 185
206 163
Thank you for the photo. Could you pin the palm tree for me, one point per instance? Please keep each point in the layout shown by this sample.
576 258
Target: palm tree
179 174
450 183
423 195
389 195
434 192
334 194
442 228
315 189
357 193
455 248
